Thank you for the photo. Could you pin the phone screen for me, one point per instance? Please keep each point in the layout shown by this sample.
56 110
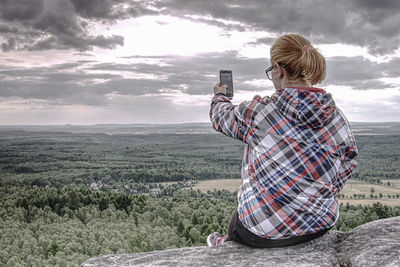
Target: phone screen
225 77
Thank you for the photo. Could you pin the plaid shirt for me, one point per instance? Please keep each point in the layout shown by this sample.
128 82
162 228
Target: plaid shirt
299 153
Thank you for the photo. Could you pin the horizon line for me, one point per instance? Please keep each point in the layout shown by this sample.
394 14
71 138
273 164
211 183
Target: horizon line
126 124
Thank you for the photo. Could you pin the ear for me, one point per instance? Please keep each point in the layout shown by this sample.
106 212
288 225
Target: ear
279 70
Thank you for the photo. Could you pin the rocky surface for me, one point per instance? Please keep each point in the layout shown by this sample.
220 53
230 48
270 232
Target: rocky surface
372 244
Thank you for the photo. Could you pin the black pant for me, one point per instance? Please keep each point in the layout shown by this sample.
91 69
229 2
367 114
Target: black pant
237 232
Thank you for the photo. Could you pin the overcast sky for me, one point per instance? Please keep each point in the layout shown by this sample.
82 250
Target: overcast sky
132 61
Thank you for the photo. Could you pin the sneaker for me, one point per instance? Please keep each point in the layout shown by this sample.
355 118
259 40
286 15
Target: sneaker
216 239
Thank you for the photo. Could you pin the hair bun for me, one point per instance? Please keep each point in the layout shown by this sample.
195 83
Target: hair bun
309 64
303 50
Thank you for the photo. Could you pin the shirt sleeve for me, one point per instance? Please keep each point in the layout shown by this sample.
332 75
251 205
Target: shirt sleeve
347 167
232 120
349 157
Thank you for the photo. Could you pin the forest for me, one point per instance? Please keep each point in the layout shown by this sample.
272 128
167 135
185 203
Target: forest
64 227
60 159
69 196
126 161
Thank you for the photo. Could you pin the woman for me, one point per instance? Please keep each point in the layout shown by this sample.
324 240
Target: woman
299 151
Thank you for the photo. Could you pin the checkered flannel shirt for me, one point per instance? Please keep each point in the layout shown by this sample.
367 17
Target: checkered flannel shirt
299 153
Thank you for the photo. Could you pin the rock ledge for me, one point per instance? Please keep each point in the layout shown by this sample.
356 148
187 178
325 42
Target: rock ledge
373 244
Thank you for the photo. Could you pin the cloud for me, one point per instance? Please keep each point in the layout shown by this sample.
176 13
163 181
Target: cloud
111 9
91 83
79 43
59 84
371 105
371 24
62 24
169 88
140 89
9 45
360 73
4 28
94 8
130 109
23 10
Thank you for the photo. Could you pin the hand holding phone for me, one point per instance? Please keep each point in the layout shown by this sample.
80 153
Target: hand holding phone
225 78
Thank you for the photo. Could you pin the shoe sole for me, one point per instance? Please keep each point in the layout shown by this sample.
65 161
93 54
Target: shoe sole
209 241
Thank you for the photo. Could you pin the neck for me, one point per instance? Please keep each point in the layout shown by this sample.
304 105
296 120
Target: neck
295 83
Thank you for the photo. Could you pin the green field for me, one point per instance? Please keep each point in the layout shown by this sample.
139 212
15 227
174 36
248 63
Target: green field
218 184
358 187
352 187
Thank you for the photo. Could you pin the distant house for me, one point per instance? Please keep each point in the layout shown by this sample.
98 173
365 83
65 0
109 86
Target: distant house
189 183
96 185
155 191
133 191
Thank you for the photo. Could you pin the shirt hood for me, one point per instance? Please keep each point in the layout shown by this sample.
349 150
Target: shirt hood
305 107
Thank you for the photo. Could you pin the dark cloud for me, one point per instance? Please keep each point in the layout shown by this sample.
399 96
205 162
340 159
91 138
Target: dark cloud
9 45
61 84
72 83
345 70
372 24
62 24
4 28
110 9
192 75
21 10
93 8
80 44
264 40
142 90
58 17
106 42
360 73
88 83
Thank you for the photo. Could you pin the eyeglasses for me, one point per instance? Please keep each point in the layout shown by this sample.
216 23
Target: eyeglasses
268 70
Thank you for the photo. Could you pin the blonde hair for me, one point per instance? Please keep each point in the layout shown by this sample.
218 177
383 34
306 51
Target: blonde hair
300 59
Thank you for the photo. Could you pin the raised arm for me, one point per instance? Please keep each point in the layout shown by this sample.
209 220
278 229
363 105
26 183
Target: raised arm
235 121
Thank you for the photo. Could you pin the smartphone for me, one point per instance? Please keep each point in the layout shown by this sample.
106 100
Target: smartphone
225 77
